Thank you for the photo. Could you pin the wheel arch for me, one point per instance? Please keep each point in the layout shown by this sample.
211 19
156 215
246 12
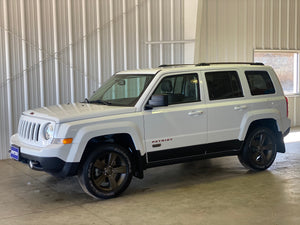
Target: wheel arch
272 124
124 140
269 123
269 118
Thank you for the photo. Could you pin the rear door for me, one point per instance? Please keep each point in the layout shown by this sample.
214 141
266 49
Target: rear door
226 106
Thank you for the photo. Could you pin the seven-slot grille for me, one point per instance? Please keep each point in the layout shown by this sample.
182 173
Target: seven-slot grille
29 130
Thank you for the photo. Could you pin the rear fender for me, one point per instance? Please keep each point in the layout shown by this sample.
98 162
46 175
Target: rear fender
256 115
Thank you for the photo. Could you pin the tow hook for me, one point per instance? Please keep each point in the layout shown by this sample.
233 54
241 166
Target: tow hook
35 165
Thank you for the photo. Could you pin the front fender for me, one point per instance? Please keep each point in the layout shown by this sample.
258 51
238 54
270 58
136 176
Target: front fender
87 133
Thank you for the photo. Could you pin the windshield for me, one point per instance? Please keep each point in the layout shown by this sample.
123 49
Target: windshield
121 90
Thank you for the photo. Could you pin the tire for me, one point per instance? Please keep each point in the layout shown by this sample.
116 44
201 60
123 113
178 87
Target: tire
106 172
259 149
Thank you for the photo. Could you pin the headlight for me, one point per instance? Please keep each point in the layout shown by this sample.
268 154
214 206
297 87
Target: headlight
48 131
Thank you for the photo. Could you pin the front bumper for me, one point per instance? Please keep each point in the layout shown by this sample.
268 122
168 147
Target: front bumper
51 159
52 165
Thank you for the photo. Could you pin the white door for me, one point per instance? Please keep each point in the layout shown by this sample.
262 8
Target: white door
169 130
226 106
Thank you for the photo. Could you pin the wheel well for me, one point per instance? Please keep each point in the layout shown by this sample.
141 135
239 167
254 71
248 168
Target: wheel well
269 123
122 139
272 125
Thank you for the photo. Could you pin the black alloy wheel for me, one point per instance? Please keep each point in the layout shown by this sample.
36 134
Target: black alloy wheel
106 172
259 151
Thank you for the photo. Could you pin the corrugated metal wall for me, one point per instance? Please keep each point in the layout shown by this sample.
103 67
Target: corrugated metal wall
230 30
59 51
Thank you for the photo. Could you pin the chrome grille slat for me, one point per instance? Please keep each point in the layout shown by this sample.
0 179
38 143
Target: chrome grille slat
28 130
32 131
25 130
36 134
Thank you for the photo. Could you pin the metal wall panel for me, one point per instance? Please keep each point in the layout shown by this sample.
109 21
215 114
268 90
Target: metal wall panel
59 51
231 29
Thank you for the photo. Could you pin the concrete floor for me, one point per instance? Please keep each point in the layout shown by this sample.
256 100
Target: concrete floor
216 191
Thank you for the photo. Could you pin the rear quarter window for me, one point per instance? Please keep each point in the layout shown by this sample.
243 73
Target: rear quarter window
259 82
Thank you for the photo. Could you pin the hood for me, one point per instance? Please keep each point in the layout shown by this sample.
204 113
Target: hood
76 111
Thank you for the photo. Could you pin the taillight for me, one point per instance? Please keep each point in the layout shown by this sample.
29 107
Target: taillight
287 106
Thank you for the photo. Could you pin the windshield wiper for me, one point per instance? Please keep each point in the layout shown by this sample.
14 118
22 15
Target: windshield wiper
85 101
101 102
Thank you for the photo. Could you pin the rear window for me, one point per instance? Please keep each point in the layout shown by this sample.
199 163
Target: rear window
223 85
260 82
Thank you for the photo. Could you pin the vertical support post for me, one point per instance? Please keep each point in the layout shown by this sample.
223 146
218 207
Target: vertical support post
296 24
125 41
85 67
263 25
149 34
288 24
137 34
161 57
99 42
279 25
254 26
40 43
124 34
112 43
70 32
172 31
56 66
271 23
24 55
8 72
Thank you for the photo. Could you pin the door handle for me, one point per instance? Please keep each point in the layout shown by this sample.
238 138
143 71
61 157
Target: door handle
240 107
195 113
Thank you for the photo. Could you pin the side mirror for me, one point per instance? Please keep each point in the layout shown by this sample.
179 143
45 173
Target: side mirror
156 101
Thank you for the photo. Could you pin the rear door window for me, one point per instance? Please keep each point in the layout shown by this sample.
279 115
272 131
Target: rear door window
259 82
223 85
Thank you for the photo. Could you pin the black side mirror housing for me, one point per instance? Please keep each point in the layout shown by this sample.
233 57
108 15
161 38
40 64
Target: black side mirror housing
156 101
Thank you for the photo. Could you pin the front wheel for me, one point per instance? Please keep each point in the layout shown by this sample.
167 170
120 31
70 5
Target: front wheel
106 172
259 151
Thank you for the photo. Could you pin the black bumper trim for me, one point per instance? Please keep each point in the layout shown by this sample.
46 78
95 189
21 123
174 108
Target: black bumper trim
287 132
52 165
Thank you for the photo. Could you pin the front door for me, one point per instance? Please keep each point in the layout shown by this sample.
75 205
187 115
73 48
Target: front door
171 129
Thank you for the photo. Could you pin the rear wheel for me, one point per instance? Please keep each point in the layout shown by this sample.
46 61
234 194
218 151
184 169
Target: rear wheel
259 151
106 172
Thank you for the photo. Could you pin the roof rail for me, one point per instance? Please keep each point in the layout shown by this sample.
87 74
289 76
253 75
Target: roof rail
218 63
169 65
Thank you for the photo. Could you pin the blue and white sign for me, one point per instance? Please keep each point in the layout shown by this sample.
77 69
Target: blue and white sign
14 152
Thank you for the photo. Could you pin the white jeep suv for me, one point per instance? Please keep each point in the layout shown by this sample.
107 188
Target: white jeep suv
147 118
